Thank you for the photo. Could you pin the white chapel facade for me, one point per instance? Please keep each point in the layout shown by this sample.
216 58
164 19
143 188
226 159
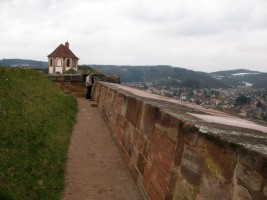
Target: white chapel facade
61 60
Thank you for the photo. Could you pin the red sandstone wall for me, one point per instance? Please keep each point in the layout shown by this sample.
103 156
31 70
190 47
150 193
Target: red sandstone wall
77 89
171 159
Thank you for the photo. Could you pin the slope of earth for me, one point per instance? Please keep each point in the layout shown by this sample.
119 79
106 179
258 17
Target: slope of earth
36 123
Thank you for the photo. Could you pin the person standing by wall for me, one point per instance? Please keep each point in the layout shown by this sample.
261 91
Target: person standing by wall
89 81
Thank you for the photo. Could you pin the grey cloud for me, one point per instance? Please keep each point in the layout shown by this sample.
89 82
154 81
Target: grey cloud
205 18
188 33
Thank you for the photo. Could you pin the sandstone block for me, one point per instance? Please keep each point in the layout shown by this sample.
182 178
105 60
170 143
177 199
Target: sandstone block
247 159
250 179
146 175
184 190
141 163
191 165
212 188
153 194
138 140
265 190
168 125
200 197
159 181
149 116
241 193
134 111
189 133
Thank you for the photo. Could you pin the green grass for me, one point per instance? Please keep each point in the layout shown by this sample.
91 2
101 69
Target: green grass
36 121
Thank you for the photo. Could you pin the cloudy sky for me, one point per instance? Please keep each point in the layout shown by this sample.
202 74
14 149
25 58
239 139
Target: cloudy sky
206 35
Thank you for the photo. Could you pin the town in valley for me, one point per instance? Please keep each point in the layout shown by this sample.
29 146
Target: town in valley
243 101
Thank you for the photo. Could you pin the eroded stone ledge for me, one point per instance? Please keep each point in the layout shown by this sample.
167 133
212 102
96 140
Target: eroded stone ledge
177 150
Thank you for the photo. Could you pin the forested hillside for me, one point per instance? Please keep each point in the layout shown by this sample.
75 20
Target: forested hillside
165 75
241 77
162 75
22 62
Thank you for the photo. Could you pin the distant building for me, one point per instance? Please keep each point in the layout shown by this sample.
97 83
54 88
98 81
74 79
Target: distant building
62 60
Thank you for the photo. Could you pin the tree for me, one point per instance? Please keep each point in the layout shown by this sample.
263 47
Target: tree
242 100
259 104
191 83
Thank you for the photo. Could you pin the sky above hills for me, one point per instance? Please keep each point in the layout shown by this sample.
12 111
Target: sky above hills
206 35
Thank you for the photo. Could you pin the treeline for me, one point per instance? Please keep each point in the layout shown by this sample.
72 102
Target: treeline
162 75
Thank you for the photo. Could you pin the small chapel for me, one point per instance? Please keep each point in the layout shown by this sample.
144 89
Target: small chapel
62 60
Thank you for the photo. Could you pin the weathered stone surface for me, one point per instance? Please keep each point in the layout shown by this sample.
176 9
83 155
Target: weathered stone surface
264 168
184 190
172 184
189 132
212 188
76 89
265 190
168 124
134 111
141 163
134 171
153 152
121 120
118 134
153 194
125 141
126 158
250 179
164 162
241 193
200 197
255 181
159 181
220 161
125 125
179 152
165 150
149 116
138 140
119 103
170 132
124 106
165 145
145 149
247 159
135 156
146 176
154 138
191 166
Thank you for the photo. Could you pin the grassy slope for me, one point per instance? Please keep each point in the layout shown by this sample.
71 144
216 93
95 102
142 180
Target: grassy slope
36 122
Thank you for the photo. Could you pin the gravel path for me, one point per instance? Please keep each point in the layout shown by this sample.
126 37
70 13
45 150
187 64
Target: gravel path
95 168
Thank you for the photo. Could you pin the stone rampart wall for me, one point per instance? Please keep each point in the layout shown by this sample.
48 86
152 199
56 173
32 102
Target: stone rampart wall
74 88
172 159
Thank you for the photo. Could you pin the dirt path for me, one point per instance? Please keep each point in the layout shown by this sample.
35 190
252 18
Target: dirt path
95 168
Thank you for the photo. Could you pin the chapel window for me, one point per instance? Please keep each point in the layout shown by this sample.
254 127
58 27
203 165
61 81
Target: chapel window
68 62
58 62
51 61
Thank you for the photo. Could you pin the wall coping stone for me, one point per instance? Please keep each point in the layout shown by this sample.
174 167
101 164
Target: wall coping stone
247 134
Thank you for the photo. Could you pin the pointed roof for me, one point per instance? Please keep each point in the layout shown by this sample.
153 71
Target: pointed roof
63 51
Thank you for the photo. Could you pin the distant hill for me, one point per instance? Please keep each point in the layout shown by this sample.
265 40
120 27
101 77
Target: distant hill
241 77
24 63
163 75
